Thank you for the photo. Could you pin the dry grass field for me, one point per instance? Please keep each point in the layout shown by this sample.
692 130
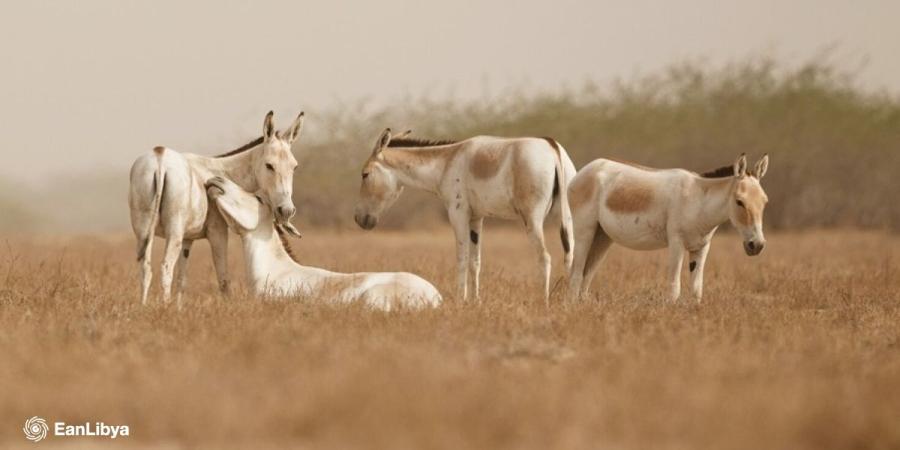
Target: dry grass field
798 348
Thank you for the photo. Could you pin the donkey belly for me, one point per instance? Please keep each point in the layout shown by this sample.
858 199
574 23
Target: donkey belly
492 202
511 199
637 231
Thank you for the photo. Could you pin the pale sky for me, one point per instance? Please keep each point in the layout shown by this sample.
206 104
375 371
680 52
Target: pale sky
89 85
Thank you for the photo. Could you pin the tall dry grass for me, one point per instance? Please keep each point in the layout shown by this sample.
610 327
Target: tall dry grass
798 348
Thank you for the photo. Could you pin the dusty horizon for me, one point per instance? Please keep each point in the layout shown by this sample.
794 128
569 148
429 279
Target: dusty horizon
101 81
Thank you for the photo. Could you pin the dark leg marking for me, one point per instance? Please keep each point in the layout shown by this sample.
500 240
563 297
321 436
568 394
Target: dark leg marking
473 236
564 235
142 250
692 266
186 252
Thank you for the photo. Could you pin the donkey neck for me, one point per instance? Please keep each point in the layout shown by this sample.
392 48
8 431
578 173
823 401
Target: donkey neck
238 168
419 167
716 196
266 257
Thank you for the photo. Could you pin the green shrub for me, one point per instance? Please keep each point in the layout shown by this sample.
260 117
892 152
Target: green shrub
834 147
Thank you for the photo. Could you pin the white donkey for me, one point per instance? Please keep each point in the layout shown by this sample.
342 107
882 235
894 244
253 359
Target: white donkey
167 198
508 178
646 209
272 268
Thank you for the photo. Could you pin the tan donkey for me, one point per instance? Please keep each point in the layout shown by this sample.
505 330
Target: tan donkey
646 209
507 178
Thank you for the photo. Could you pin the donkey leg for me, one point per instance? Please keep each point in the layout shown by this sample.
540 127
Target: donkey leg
676 259
218 243
146 273
173 252
697 260
475 226
583 236
599 247
535 230
460 223
181 269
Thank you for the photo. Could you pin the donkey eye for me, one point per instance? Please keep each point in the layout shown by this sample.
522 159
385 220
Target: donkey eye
740 203
365 175
258 198
270 167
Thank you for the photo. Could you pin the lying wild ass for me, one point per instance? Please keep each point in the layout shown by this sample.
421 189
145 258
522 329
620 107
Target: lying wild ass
168 198
272 268
508 178
646 209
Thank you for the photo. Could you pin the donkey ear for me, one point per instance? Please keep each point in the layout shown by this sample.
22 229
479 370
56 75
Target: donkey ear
269 127
237 215
215 187
383 141
402 135
740 166
761 167
294 131
240 209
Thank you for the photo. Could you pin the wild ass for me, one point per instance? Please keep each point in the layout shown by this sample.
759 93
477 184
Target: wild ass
647 209
508 178
168 198
272 268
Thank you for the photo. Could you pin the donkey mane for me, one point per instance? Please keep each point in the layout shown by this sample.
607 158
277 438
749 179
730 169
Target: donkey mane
285 244
242 148
721 172
417 142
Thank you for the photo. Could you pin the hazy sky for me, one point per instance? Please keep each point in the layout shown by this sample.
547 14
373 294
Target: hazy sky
91 84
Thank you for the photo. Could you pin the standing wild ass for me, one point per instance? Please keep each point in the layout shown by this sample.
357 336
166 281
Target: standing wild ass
272 268
168 199
646 209
508 178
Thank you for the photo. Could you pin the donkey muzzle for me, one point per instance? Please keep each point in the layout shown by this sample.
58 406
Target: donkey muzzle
753 248
285 212
365 221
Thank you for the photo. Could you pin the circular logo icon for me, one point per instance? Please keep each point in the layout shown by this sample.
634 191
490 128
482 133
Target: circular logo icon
35 429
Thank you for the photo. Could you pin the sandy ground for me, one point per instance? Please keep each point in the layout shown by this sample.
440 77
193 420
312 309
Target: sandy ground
798 348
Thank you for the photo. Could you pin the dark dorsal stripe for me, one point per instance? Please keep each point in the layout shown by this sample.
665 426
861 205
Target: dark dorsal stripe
416 142
242 148
721 172
285 244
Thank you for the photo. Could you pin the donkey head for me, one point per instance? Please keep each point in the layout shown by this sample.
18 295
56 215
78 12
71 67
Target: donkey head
748 202
380 187
244 212
274 166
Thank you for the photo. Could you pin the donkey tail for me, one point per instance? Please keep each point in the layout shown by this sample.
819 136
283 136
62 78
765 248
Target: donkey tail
159 180
565 212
